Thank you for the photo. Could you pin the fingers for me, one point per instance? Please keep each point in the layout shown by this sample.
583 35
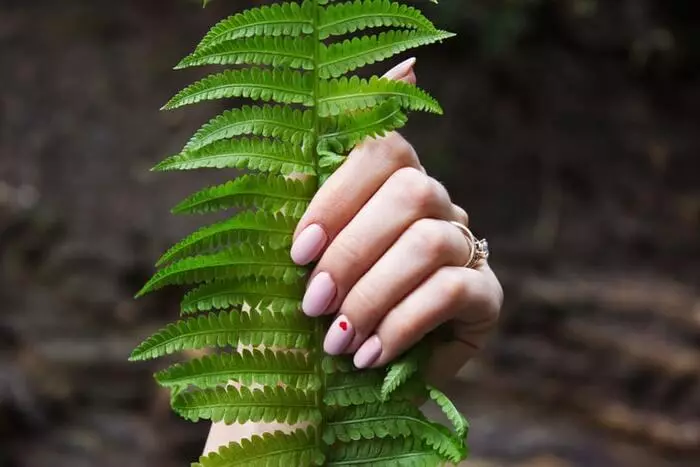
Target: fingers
426 246
452 292
407 196
339 199
347 190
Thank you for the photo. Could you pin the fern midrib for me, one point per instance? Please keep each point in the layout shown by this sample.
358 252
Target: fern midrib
251 154
332 24
262 295
368 52
318 325
215 39
236 371
272 452
348 96
363 127
253 84
275 52
382 418
213 136
388 457
263 328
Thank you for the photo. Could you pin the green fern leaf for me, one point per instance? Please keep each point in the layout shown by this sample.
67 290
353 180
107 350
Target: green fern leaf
402 452
270 193
460 423
231 405
391 419
336 364
288 19
349 130
345 95
247 367
227 329
292 52
239 261
284 86
344 18
260 295
346 389
264 155
399 372
280 122
342 57
270 449
248 227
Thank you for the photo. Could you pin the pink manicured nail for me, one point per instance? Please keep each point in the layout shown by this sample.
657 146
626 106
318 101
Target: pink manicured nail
308 244
368 353
401 70
339 336
318 295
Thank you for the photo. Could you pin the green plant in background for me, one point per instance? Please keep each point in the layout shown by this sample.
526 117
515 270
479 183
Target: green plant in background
247 292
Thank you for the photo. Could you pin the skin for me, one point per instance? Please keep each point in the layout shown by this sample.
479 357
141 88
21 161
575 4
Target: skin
391 264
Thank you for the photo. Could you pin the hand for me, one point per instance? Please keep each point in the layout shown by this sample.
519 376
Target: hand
390 263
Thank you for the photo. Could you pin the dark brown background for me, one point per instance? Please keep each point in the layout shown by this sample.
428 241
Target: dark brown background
570 134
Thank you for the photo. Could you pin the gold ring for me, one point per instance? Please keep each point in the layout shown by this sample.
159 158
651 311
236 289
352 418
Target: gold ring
478 249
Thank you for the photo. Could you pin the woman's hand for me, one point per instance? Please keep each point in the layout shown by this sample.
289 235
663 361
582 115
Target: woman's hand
390 263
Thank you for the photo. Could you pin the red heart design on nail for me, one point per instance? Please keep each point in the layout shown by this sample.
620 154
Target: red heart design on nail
343 325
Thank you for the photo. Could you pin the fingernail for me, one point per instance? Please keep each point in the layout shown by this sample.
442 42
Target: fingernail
339 336
308 244
318 295
368 353
401 70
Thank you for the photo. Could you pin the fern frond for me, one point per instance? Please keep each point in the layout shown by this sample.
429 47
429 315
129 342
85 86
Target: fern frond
394 420
336 364
231 405
270 193
348 17
264 155
265 228
283 19
285 123
460 423
292 52
228 328
342 57
345 95
399 372
407 452
247 367
279 85
345 389
269 449
260 295
246 291
239 261
350 129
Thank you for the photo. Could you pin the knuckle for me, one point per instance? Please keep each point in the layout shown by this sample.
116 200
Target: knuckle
431 238
392 148
453 289
416 190
360 308
346 251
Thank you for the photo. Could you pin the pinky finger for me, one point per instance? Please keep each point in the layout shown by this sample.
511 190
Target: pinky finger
450 292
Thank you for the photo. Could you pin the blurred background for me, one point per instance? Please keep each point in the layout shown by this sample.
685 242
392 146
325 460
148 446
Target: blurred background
571 135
